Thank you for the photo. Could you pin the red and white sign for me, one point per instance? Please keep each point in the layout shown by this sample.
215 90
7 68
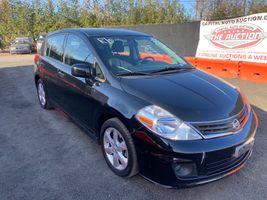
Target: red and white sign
243 38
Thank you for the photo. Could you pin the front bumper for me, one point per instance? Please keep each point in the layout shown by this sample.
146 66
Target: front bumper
14 51
212 158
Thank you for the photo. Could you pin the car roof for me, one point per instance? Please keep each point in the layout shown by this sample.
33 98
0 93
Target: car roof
101 32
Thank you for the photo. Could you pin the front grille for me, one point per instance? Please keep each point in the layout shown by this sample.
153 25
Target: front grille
223 127
226 164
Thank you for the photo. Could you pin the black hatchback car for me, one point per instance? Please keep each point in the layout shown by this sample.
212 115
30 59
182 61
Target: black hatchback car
150 110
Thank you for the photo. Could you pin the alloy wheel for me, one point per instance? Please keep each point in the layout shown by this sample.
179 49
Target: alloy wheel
41 94
115 148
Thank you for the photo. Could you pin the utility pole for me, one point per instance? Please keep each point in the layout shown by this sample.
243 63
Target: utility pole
244 7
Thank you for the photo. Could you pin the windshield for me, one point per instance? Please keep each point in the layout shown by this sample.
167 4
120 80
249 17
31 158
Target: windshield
137 55
21 41
41 37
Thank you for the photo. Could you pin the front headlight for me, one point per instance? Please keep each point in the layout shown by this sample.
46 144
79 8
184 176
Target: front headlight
165 124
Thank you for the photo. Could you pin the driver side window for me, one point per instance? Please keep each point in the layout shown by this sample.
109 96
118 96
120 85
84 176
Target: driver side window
76 51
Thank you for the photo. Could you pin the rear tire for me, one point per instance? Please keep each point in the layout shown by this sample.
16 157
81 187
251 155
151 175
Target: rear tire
118 148
42 95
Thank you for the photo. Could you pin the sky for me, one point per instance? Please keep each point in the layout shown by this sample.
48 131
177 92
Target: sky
187 4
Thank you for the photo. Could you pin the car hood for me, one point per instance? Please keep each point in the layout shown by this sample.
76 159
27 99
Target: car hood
20 45
191 95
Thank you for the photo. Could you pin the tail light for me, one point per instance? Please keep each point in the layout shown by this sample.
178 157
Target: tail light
36 58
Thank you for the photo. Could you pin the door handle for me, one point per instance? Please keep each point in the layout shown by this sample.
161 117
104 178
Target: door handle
60 73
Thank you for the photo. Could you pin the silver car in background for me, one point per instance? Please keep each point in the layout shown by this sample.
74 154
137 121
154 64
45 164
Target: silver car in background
21 45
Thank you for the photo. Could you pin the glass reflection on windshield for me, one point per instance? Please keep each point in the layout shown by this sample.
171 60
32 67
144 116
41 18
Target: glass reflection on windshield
136 55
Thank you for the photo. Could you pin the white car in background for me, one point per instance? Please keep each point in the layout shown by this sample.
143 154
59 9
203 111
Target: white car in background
39 42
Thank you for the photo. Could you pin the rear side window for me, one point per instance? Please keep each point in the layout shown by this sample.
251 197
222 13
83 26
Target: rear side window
76 51
54 47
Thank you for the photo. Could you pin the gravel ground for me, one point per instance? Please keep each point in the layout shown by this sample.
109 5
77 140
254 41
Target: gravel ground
8 60
45 156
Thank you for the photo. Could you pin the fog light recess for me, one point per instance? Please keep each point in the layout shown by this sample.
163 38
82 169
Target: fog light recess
185 170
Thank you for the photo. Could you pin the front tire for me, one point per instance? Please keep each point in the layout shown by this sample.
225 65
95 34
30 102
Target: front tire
42 95
118 148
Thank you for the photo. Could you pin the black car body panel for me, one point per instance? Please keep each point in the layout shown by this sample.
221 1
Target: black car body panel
190 94
186 96
158 158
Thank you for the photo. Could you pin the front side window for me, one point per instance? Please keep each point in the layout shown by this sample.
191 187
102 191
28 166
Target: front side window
136 54
98 72
54 47
76 51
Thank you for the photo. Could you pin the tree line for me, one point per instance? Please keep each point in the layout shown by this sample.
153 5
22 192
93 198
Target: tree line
225 9
32 17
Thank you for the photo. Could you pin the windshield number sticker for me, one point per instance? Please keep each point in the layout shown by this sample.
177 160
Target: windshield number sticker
105 40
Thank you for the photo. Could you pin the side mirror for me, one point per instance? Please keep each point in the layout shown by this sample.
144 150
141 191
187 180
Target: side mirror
82 70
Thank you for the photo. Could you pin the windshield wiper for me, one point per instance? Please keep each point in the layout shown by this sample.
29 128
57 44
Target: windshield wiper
168 69
132 74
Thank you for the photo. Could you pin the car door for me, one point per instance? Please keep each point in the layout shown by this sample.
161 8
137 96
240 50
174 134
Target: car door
75 92
51 64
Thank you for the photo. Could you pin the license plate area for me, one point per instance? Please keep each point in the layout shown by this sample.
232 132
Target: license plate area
243 148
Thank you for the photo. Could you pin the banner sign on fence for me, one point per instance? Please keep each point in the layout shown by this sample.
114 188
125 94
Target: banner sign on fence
243 38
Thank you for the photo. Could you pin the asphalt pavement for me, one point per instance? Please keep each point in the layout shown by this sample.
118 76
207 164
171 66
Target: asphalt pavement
45 156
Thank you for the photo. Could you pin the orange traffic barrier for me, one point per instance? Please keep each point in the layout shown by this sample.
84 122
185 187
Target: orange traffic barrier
227 68
191 60
253 71
159 57
223 68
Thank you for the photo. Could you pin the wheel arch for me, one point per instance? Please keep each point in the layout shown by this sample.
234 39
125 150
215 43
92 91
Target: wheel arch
121 105
109 115
36 78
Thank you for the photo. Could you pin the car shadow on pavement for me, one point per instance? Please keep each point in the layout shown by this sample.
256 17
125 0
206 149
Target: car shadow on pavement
45 156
